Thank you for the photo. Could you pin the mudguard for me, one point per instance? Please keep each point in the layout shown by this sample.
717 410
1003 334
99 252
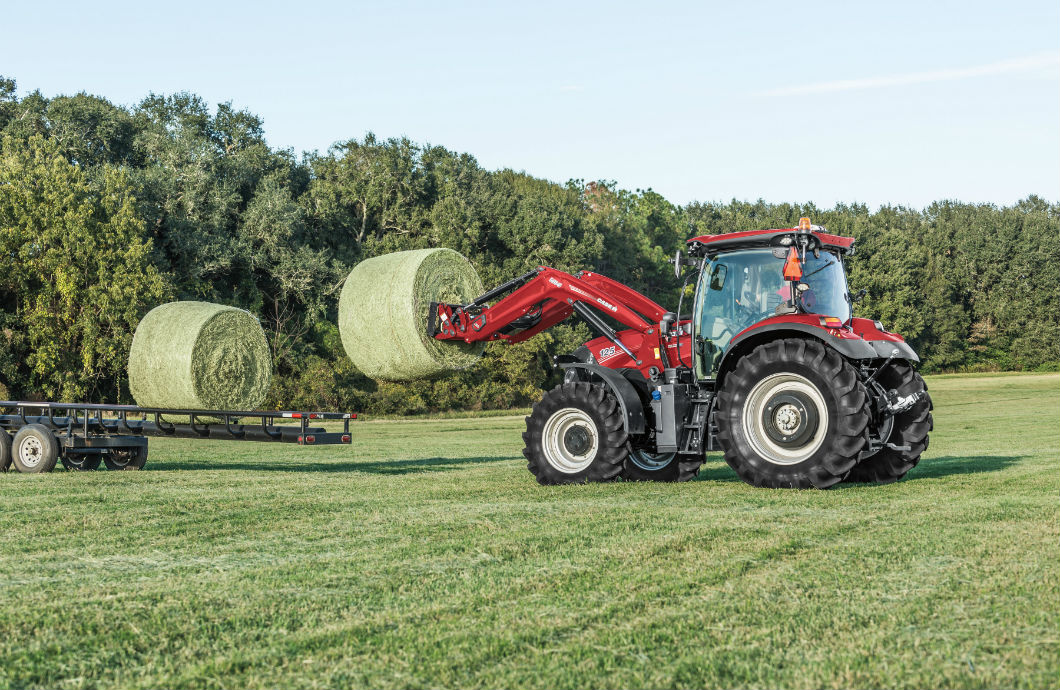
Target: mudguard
850 345
628 399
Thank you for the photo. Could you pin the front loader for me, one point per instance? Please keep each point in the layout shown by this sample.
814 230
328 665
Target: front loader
771 368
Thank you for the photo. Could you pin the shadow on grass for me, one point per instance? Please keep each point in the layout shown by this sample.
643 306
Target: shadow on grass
933 468
387 467
929 468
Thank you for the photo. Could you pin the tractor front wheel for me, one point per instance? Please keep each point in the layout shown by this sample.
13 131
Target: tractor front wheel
575 435
792 414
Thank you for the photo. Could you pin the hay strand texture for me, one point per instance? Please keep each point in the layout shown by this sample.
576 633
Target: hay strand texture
383 313
200 356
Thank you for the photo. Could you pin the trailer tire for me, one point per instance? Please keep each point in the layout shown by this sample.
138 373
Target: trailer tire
81 462
911 428
126 458
793 414
575 434
34 450
642 466
5 450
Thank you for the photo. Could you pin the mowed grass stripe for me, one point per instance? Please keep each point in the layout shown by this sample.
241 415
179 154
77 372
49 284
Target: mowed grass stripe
426 555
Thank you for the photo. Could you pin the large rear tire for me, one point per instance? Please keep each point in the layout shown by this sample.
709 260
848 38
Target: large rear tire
792 414
911 428
574 435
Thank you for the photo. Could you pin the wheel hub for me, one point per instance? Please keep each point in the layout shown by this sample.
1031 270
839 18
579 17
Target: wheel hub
785 418
577 440
31 452
570 440
789 418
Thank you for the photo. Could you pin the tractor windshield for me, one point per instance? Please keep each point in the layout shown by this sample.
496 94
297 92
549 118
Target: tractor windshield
741 288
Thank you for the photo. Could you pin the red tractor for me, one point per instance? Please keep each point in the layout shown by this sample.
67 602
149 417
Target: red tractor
771 368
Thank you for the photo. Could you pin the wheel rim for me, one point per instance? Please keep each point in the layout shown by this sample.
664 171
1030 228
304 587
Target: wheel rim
119 459
30 452
651 462
785 418
570 440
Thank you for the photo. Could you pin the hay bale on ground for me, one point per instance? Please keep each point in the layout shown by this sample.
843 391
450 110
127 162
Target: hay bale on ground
198 355
383 313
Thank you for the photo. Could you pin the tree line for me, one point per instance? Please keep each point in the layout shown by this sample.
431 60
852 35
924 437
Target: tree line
107 211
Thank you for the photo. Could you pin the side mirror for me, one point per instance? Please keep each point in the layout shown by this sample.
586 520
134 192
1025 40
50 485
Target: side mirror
678 262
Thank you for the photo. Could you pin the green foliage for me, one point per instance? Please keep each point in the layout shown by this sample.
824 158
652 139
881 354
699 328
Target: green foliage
76 273
202 208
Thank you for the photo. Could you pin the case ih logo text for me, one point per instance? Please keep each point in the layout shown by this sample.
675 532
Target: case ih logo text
606 305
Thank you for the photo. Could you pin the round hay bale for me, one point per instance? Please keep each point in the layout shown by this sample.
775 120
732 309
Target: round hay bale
383 313
199 356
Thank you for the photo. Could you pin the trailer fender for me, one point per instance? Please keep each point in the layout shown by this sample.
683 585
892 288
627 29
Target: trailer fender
623 390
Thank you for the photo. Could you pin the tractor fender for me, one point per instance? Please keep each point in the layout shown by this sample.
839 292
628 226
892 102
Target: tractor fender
624 392
851 348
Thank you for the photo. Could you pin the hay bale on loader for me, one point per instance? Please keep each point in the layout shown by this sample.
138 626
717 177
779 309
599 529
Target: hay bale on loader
383 313
198 355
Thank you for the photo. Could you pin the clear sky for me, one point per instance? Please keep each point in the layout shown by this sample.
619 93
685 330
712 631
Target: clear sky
884 102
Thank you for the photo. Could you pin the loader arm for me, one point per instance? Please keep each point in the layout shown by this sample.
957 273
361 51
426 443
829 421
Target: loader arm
539 300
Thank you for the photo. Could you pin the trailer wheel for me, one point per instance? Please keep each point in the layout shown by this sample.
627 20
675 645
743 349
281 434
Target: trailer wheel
126 458
910 428
5 450
792 414
34 449
81 462
575 435
643 466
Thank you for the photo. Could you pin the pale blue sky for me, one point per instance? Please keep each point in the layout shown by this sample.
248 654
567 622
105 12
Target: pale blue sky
888 102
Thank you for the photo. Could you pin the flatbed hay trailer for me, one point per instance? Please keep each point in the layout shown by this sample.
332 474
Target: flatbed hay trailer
35 436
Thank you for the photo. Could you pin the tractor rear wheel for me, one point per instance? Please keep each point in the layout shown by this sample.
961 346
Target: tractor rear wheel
644 466
574 435
911 428
792 414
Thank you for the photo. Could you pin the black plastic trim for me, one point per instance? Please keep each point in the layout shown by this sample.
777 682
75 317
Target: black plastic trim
884 348
628 399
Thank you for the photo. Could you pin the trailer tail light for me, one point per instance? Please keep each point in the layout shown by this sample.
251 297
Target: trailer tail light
346 438
792 268
307 440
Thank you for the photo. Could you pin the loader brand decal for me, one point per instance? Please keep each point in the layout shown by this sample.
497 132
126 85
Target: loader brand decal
555 282
606 305
579 291
606 353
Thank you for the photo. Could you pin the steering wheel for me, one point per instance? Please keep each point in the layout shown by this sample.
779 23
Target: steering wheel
745 313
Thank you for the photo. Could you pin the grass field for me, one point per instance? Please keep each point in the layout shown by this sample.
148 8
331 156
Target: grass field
425 555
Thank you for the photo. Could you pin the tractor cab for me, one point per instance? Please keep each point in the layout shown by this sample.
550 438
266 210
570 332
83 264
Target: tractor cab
750 278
